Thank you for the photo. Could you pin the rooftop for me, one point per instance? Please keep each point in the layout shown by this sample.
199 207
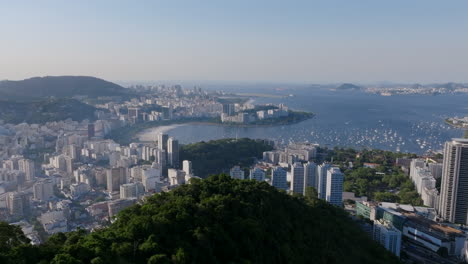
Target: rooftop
432 226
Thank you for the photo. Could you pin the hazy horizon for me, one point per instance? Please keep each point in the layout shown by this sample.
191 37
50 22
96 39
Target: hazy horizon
242 41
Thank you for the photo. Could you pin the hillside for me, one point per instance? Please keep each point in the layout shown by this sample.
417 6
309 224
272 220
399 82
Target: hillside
38 112
217 220
59 86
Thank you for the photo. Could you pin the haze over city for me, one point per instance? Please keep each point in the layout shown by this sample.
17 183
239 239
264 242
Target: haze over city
175 132
273 41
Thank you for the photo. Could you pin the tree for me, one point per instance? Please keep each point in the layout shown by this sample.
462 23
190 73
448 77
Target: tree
311 193
219 220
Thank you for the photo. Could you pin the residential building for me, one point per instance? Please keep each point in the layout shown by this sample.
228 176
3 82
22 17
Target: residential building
173 153
43 190
322 170
279 178
388 236
116 177
257 174
131 190
310 170
334 190
297 178
453 204
237 173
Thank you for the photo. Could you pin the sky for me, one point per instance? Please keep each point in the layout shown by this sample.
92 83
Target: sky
309 41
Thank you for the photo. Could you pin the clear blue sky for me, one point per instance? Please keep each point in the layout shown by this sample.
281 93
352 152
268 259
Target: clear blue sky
293 41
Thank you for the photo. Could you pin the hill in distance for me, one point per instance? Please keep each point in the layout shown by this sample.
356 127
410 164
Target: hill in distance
60 87
216 220
45 110
348 87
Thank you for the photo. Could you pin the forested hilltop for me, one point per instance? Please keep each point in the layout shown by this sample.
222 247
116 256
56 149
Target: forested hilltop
216 220
59 87
220 155
47 110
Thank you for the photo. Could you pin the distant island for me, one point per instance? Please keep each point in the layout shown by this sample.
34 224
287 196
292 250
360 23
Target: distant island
348 87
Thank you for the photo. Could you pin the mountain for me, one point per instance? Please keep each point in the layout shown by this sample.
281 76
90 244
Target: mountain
348 87
39 112
216 220
59 86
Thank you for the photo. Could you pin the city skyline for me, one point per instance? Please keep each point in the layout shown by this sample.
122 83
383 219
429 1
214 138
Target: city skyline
270 41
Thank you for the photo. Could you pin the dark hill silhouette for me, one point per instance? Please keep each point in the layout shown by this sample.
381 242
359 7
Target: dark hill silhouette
59 86
348 87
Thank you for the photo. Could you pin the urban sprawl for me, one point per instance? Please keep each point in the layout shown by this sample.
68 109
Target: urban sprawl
61 176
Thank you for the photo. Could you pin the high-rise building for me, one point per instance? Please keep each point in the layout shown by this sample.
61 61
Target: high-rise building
114 207
334 192
28 167
43 190
176 177
116 177
436 170
310 170
297 178
91 131
17 204
279 178
453 203
229 109
173 152
161 157
257 174
131 190
74 152
387 235
162 141
187 167
237 173
322 180
69 164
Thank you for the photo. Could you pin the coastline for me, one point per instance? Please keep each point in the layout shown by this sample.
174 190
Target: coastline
144 135
461 126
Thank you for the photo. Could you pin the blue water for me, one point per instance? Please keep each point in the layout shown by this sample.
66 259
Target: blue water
352 119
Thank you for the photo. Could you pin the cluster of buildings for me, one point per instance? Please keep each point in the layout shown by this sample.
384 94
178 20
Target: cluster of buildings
85 180
438 228
434 89
424 174
174 103
393 223
293 170
236 113
66 174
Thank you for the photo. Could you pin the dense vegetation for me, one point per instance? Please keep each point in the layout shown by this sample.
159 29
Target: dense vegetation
39 112
215 155
386 183
59 86
292 118
217 220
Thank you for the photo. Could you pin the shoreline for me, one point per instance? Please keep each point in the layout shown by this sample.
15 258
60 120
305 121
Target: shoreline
461 126
145 133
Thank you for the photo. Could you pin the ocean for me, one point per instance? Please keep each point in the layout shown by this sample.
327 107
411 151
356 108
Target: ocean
406 123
